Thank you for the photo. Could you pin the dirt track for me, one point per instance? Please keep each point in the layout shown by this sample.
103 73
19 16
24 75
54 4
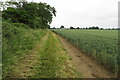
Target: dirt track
84 64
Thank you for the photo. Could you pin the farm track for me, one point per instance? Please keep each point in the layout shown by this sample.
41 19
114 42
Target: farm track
23 69
85 64
48 59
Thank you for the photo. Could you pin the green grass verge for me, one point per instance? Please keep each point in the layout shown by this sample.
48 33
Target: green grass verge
16 41
54 61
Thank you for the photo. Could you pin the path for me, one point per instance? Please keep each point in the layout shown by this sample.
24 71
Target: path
87 66
48 59
51 58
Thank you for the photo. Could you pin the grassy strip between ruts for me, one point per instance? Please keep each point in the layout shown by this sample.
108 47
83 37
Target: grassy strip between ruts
54 61
48 59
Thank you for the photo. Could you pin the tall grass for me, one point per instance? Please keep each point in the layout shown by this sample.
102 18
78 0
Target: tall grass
16 41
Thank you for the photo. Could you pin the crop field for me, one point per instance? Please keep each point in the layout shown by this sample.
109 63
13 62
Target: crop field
31 48
102 45
34 53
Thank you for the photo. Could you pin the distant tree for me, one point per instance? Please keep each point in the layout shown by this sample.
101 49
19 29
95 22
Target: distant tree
77 28
53 28
108 28
86 28
94 27
72 27
90 27
62 27
101 28
113 28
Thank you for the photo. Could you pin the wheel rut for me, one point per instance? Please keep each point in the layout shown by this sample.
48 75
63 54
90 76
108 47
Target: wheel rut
85 64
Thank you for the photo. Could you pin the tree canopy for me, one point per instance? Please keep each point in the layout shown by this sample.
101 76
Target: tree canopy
35 15
62 27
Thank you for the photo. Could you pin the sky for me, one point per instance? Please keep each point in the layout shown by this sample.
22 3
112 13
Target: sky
84 13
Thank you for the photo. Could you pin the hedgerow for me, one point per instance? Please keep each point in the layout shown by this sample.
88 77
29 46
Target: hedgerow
16 42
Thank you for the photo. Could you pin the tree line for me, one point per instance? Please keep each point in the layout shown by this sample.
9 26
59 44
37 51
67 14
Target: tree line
62 27
34 15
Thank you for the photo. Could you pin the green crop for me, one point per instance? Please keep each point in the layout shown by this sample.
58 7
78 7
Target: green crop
102 45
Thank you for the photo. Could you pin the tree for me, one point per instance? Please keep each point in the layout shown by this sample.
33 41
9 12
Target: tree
86 28
62 27
101 28
35 15
77 28
53 28
94 27
72 27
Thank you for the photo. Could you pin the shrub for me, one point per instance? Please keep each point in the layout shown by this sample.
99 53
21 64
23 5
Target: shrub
16 41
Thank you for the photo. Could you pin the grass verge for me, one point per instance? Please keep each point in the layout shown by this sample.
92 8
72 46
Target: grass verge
54 61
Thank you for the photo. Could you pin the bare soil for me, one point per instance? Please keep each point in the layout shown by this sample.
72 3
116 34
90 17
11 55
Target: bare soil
84 63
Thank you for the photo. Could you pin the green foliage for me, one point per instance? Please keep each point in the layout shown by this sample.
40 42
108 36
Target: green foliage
62 27
16 41
72 27
100 44
21 26
35 15
53 61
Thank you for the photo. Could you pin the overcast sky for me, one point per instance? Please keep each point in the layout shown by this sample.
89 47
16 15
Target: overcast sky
84 13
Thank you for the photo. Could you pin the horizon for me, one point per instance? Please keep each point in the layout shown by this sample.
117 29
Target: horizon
85 27
101 13
79 13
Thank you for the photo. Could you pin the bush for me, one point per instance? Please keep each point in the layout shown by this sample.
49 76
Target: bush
17 40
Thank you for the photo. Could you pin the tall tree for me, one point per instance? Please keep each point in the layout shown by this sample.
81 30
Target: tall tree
35 15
